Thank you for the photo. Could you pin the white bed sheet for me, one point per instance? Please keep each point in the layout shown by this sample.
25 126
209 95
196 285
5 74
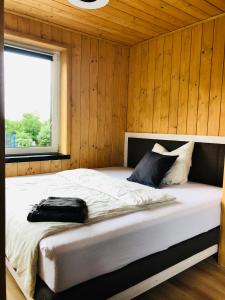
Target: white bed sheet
83 253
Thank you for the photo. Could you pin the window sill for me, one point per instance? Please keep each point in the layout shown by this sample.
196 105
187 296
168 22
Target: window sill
34 157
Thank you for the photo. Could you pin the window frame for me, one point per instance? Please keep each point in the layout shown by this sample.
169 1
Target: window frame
55 102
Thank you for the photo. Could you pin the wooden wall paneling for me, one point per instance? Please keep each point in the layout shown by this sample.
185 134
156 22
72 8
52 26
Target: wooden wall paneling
109 96
166 78
92 76
23 169
119 106
11 21
55 166
158 84
93 125
85 97
11 170
205 77
143 82
131 111
76 104
216 77
184 81
194 91
196 38
101 102
122 95
175 83
35 29
65 164
35 167
134 88
45 166
116 114
222 112
147 119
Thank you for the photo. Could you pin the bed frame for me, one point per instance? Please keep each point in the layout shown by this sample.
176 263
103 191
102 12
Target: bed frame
142 275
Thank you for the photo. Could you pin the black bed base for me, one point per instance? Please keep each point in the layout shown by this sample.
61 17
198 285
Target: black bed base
110 284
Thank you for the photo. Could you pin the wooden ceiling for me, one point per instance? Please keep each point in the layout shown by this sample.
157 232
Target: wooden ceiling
124 21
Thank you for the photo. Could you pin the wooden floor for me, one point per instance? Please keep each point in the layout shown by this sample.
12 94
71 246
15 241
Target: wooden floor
205 281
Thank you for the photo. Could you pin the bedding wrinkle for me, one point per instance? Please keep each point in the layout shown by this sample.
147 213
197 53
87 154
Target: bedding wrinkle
105 198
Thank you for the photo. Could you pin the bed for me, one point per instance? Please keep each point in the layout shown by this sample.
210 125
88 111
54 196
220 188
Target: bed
122 257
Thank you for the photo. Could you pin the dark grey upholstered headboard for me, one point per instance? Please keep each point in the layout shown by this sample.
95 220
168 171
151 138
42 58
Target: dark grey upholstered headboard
207 160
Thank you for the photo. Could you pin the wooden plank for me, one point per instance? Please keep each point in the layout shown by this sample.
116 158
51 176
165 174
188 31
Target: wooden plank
175 82
131 100
222 113
35 167
11 169
216 77
65 164
143 85
166 77
156 12
137 83
109 60
194 79
23 25
156 23
184 81
158 84
85 61
75 103
205 77
147 114
46 31
55 166
35 28
101 102
93 129
23 169
189 9
172 11
218 3
11 21
205 6
122 75
45 166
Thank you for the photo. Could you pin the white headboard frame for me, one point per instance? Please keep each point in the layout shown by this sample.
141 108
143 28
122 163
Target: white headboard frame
171 137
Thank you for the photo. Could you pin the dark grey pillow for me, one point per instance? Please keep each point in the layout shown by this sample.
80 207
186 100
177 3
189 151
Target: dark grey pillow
152 168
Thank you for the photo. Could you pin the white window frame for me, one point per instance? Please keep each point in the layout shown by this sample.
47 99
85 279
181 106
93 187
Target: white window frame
55 92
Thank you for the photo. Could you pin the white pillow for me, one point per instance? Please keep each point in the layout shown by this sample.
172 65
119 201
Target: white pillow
178 173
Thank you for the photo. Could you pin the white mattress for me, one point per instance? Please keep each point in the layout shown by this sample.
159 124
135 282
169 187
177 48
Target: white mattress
83 253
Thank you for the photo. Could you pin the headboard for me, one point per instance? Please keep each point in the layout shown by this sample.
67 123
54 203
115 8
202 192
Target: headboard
207 160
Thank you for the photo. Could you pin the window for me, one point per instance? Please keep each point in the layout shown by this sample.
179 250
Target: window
31 100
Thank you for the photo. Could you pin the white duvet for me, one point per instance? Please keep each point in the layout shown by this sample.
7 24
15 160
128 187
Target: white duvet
105 196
